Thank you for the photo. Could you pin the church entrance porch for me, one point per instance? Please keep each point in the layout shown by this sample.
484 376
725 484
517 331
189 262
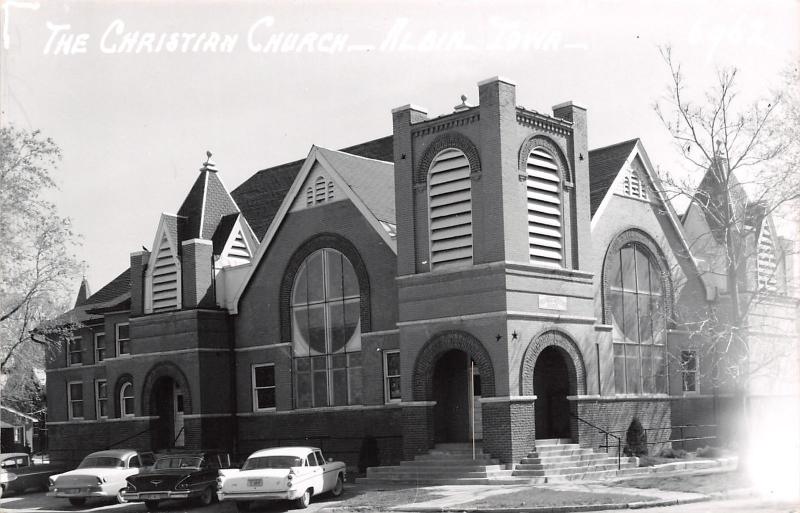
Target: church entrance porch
456 418
166 400
551 388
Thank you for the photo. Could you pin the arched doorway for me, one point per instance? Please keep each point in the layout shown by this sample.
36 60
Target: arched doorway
456 390
166 403
551 388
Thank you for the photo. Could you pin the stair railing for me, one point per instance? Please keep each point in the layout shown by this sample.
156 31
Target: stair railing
607 434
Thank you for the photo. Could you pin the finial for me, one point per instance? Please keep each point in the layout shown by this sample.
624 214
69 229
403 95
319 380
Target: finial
209 165
719 143
464 105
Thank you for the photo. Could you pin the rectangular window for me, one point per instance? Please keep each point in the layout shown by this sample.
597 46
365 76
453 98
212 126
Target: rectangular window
689 370
99 347
101 397
75 399
123 339
75 351
391 376
263 387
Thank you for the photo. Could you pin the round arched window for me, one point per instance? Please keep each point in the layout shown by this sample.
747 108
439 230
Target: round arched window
326 331
637 305
126 400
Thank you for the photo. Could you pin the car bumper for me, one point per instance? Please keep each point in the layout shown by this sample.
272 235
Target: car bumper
89 491
158 496
261 496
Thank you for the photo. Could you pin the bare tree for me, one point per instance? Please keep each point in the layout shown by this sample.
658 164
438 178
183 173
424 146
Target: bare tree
746 153
38 266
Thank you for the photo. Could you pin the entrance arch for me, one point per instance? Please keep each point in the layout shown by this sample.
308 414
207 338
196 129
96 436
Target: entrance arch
552 369
167 397
454 370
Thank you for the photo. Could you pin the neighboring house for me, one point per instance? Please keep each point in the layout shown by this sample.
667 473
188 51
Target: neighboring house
16 429
481 273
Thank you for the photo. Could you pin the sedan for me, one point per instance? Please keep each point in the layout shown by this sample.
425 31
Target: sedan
100 474
19 473
187 475
287 473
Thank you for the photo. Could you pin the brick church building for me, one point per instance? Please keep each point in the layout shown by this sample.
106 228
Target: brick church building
479 274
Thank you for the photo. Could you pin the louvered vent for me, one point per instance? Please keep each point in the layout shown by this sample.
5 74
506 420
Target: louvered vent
165 279
632 185
767 262
319 190
239 253
450 210
545 228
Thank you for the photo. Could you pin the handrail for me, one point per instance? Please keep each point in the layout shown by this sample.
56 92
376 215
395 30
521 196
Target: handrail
178 435
607 433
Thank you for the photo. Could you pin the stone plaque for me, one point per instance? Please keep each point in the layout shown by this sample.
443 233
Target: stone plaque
552 302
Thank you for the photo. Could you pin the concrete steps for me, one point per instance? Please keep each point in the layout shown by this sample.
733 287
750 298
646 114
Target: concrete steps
553 460
561 460
446 464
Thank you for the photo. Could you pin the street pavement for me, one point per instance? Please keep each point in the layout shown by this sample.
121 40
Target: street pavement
449 498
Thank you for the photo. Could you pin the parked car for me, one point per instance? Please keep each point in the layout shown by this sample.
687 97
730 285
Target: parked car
19 473
178 475
100 474
284 473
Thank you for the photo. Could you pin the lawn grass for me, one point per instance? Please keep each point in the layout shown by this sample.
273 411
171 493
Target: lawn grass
544 497
381 498
706 483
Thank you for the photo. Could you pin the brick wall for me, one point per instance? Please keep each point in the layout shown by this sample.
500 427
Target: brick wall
340 434
69 443
417 423
508 429
615 415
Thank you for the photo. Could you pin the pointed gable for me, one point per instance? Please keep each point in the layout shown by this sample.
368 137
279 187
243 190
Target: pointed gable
604 166
163 276
83 293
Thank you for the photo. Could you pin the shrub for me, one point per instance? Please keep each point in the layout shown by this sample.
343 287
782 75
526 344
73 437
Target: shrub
669 452
709 452
635 439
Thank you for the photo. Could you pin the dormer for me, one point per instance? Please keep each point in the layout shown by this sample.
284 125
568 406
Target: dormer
163 276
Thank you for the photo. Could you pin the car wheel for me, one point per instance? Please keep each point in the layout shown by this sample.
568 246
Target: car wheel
338 488
120 498
206 497
304 500
77 501
243 505
151 505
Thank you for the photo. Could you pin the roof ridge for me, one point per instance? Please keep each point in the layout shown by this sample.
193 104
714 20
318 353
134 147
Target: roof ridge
354 155
616 144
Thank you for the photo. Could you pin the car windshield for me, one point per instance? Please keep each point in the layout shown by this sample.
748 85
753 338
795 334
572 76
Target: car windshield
272 462
177 462
102 462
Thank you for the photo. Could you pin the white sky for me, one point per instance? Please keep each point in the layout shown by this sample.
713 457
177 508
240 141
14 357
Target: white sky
134 127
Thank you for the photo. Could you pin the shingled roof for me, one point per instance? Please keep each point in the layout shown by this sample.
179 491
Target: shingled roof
260 196
604 166
113 289
372 181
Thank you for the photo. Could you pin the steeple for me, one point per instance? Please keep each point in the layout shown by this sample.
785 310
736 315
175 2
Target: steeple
206 204
83 293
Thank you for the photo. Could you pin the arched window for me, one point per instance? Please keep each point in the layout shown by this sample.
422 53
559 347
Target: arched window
326 331
450 210
637 303
126 400
545 230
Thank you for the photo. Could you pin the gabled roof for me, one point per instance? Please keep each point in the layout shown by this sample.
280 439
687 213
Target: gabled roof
604 166
112 290
83 293
372 180
11 417
260 196
367 183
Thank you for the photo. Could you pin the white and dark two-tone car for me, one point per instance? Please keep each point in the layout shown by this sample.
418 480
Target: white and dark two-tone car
283 473
100 474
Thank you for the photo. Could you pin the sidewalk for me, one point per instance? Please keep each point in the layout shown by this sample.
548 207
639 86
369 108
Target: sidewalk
561 497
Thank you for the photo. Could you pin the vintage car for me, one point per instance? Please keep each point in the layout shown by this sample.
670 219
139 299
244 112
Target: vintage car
100 474
178 475
19 473
288 473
